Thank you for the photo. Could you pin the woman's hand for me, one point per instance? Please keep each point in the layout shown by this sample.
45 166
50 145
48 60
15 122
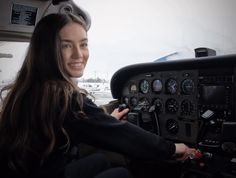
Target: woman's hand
119 114
183 152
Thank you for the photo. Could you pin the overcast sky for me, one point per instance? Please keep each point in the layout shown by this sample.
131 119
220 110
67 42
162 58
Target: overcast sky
125 32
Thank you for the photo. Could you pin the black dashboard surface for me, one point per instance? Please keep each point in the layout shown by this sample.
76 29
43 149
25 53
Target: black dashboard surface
190 101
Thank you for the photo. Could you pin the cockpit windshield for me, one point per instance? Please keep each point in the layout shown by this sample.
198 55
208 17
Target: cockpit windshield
129 32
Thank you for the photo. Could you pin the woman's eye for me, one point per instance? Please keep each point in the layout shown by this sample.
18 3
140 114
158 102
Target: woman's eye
66 46
84 45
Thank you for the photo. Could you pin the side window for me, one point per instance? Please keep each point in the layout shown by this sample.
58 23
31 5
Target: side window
11 57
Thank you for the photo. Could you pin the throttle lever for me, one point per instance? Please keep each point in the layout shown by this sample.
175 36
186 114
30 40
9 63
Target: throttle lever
198 155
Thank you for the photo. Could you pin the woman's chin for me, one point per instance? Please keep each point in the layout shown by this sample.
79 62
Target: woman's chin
76 74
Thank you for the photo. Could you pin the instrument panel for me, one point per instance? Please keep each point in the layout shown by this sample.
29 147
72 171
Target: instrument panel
190 101
175 104
167 99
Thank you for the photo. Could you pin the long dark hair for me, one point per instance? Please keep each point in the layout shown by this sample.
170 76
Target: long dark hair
38 100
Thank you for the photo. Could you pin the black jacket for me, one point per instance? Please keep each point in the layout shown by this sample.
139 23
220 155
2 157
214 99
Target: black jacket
104 131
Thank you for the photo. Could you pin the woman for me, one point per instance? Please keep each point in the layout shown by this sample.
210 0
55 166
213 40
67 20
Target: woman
45 114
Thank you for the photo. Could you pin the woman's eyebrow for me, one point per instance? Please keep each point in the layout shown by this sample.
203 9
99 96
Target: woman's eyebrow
84 39
65 40
68 40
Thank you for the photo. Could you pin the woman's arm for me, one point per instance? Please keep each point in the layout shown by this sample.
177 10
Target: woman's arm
104 131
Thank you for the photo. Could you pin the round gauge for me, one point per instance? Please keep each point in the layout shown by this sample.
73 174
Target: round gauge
157 85
133 88
172 126
171 86
144 86
158 104
187 86
172 106
187 107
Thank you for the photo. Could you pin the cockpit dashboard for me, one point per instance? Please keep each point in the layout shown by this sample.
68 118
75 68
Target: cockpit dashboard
190 101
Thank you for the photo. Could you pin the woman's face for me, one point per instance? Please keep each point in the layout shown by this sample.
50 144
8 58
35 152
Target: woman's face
74 48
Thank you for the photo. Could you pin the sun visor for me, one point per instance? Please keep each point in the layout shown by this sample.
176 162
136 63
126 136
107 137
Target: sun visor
19 18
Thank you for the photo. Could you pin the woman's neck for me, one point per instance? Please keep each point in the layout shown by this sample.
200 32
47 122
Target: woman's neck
75 80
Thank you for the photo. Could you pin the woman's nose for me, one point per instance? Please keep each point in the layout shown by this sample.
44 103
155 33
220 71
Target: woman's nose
77 53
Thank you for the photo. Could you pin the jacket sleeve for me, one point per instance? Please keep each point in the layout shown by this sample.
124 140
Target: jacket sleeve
105 131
